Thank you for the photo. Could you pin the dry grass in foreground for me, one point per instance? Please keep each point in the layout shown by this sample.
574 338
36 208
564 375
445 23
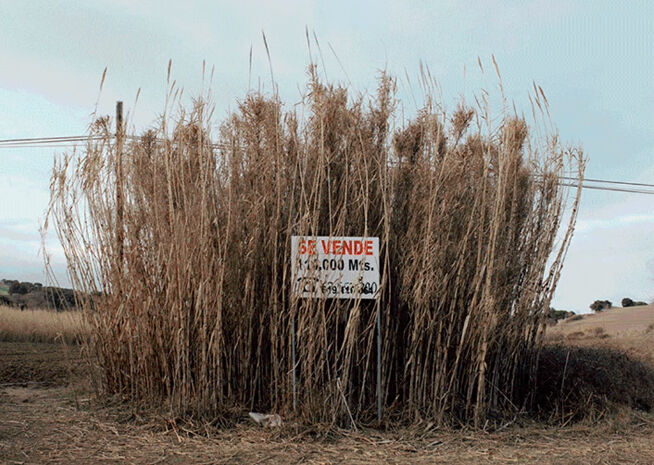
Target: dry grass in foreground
593 364
73 428
71 431
41 326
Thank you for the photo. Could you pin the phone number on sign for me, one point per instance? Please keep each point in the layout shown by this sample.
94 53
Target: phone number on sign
309 285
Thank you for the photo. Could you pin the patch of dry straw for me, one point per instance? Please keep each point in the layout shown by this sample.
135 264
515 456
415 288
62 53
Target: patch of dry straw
41 326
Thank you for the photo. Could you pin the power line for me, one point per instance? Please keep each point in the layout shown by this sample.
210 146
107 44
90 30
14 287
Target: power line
68 142
40 146
47 142
613 189
35 139
605 181
49 139
64 142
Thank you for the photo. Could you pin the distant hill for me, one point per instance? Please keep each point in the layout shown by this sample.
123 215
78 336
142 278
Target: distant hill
617 320
629 328
24 294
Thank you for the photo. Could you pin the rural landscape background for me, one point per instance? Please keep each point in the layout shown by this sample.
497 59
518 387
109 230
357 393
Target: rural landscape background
501 154
592 59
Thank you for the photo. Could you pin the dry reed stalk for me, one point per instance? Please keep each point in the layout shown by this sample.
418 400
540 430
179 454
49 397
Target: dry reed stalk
198 310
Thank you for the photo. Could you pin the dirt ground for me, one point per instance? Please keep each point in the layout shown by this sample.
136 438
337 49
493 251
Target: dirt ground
48 415
38 364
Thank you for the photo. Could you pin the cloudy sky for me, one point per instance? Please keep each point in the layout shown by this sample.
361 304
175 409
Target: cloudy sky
594 60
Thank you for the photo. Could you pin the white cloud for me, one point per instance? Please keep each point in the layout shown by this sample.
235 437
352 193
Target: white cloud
589 226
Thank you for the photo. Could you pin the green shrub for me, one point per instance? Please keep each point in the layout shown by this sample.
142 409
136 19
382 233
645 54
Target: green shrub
557 315
17 288
627 302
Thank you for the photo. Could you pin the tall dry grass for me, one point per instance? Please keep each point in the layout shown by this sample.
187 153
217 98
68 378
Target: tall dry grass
185 233
41 326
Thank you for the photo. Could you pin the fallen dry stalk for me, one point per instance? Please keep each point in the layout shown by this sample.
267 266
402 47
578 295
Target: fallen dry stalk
196 309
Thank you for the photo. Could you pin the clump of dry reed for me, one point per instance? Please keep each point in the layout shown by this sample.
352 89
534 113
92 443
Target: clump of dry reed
185 234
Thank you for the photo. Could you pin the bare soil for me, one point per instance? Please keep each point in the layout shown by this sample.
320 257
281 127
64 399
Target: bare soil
48 414
39 364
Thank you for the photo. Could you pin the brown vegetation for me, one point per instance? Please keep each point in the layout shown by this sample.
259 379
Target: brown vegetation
41 326
589 382
187 240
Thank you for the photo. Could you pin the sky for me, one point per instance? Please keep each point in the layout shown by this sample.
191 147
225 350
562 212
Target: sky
593 59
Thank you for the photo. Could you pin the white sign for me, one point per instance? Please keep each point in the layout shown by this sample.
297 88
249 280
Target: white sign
335 267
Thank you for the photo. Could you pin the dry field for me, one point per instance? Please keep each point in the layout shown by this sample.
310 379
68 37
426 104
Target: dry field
615 322
630 329
40 325
49 414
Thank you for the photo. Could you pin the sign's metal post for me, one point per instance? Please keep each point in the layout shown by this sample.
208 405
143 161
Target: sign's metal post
336 267
379 396
294 363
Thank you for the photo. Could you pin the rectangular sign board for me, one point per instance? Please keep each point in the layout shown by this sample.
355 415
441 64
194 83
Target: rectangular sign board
335 267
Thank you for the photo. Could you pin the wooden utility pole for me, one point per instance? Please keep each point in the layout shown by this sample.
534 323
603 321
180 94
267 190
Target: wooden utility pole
379 367
120 133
